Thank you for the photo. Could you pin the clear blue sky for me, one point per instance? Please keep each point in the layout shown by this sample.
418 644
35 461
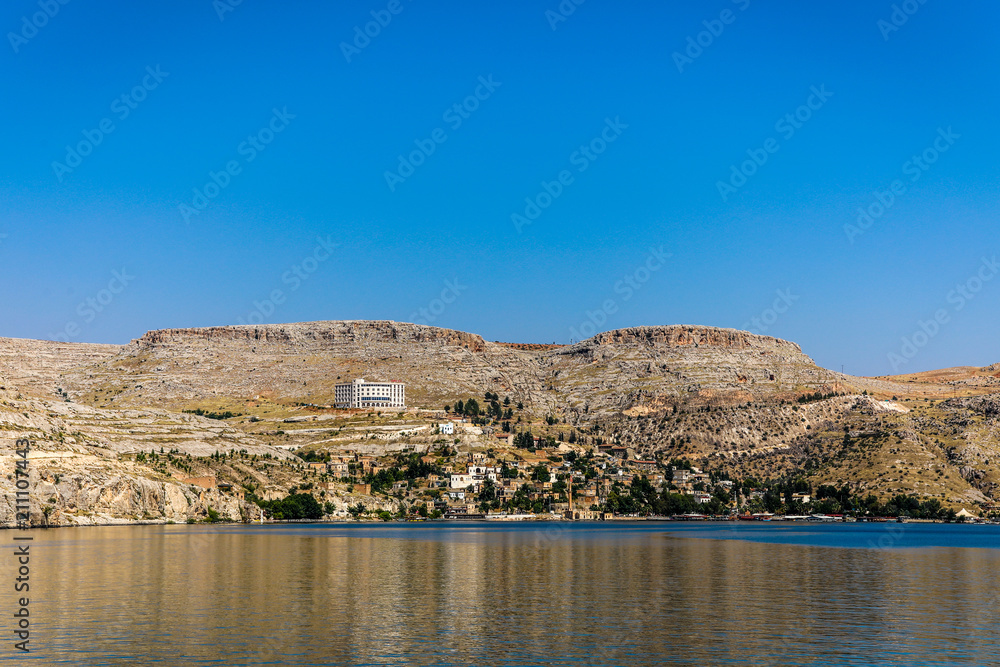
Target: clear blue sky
672 129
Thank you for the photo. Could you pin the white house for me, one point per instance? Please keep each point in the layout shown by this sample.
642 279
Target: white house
460 481
447 429
480 473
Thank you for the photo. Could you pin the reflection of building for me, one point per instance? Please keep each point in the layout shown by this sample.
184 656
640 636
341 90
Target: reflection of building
361 394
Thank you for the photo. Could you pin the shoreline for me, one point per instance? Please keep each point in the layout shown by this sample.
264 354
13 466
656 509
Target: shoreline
620 520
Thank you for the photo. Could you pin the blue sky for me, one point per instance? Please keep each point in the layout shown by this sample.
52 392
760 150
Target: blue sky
638 233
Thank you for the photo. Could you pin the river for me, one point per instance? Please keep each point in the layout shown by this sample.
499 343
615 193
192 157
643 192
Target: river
630 593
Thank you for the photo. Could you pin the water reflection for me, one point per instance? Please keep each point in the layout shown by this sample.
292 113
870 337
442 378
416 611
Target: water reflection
500 595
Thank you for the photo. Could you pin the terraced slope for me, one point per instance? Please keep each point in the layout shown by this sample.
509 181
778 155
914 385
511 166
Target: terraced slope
302 362
727 399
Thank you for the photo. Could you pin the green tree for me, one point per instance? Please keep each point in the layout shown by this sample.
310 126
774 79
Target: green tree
291 507
540 473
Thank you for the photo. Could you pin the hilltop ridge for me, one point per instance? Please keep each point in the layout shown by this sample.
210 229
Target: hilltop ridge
303 361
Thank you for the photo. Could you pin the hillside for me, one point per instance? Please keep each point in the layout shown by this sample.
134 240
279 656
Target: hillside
731 401
302 362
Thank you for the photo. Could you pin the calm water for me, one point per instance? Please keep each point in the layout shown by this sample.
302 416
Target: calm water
518 594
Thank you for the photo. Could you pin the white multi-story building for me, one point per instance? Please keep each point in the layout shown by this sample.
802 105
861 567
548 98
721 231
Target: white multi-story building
361 394
447 428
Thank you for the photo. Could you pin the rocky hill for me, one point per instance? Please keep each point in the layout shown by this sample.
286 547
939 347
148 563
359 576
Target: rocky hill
302 362
731 400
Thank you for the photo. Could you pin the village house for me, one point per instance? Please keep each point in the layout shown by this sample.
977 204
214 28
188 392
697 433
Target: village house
656 480
460 481
480 473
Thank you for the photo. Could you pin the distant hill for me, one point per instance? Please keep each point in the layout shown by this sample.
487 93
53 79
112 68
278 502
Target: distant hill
303 362
730 400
